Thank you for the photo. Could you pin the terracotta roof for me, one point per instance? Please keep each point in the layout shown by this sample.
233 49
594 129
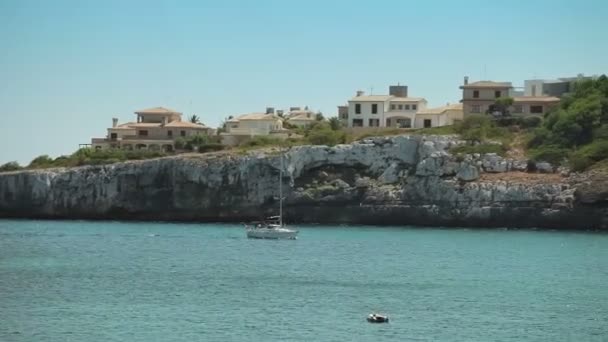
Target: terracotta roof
440 110
256 116
185 124
487 84
157 110
548 99
303 116
146 124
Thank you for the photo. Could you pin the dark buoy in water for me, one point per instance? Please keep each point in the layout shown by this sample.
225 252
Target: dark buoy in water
376 318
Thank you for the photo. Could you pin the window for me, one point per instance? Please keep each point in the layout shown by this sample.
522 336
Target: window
476 94
113 136
407 107
169 133
497 93
475 109
357 122
400 107
518 109
142 133
374 122
357 108
343 115
182 133
427 123
393 107
536 109
374 108
414 107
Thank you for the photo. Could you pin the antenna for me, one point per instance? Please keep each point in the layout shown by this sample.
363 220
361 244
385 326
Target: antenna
371 90
485 72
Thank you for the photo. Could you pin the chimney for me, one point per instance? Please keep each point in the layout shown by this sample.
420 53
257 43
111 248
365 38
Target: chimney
114 122
360 93
269 110
397 91
466 80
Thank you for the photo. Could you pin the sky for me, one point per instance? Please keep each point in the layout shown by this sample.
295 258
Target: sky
68 67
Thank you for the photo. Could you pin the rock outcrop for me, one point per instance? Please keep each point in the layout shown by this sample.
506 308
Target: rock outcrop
390 180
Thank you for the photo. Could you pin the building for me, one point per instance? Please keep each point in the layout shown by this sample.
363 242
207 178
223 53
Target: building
393 110
557 87
440 116
301 117
247 126
155 129
533 104
480 98
343 115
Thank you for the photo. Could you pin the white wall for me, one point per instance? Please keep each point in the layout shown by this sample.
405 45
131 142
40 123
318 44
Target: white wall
436 120
366 112
528 85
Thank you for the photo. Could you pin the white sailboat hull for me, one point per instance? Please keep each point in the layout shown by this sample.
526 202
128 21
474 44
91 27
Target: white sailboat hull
272 233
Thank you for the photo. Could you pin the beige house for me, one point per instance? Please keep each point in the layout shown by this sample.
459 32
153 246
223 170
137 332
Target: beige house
301 117
155 129
533 104
480 98
439 116
247 126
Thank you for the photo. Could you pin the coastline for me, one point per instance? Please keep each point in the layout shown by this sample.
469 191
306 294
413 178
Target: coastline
402 180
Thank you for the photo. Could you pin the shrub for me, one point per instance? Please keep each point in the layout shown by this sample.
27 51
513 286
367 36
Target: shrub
588 155
10 166
531 121
480 148
210 147
551 153
327 137
42 161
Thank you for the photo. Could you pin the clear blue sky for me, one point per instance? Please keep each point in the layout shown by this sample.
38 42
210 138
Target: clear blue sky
68 67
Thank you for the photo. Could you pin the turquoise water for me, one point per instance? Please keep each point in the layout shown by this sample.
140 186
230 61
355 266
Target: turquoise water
104 281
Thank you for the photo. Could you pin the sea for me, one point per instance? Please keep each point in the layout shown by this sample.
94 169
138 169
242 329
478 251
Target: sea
128 281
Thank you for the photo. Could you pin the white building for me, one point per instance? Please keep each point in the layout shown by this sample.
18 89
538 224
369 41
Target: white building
440 116
249 125
393 110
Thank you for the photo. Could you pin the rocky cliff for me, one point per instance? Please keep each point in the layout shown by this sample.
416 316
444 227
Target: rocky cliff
395 180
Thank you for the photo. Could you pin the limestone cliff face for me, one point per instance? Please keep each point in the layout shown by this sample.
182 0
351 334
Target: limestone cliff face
396 180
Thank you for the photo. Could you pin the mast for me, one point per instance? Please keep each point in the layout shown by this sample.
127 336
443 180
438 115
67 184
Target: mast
281 192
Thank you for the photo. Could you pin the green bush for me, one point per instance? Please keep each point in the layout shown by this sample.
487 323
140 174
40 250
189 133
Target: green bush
480 148
578 126
549 153
327 137
210 147
42 161
10 166
261 140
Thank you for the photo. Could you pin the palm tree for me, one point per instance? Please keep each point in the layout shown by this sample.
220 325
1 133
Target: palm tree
194 119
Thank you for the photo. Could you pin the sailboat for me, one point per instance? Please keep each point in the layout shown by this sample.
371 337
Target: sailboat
273 227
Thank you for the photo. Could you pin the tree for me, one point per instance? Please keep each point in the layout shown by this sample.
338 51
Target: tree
335 123
502 105
10 166
41 161
319 116
194 119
